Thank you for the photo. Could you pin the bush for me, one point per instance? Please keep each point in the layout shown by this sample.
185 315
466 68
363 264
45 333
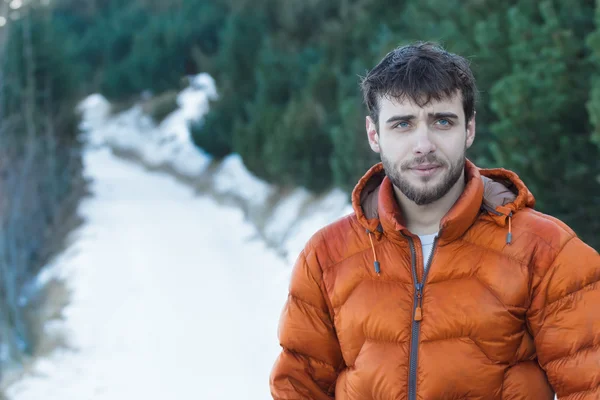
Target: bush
216 141
123 49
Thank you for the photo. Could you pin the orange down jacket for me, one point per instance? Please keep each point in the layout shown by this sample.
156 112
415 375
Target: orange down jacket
509 307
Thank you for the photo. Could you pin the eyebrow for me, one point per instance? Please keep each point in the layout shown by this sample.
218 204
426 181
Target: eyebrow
438 115
448 115
400 118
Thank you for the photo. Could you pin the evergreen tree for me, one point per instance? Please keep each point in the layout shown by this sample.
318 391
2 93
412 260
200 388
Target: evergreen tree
593 105
539 109
234 67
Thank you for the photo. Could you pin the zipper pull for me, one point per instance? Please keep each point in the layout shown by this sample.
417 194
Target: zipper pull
418 310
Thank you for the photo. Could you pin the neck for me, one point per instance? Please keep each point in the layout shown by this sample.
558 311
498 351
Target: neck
425 219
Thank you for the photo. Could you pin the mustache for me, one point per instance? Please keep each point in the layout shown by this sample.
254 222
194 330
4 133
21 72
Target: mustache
427 159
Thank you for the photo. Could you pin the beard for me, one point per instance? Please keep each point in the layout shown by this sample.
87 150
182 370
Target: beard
425 194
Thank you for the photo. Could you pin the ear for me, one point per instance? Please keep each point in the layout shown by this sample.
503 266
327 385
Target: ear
471 131
372 135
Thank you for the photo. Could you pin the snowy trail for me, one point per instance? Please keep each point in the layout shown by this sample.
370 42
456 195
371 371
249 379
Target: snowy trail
172 296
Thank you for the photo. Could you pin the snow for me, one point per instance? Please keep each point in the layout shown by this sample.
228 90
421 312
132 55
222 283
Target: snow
173 294
285 214
193 104
168 143
160 306
333 206
96 110
235 180
285 221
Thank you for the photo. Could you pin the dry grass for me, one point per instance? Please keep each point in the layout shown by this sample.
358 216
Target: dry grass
160 106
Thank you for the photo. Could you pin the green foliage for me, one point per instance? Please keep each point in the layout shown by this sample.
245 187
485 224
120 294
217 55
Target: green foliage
288 75
593 104
217 139
291 80
542 95
123 49
538 105
277 140
351 155
298 151
240 41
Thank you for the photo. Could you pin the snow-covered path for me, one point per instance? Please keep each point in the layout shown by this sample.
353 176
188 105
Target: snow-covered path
173 296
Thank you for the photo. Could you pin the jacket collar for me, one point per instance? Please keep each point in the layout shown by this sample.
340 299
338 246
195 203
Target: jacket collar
499 192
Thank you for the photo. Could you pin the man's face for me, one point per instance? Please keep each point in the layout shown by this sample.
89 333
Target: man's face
422 148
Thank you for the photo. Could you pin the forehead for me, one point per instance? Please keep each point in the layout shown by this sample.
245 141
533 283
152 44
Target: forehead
390 106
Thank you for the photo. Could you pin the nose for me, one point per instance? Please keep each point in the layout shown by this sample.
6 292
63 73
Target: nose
423 145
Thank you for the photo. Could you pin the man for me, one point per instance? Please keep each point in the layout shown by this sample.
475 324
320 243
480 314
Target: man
445 283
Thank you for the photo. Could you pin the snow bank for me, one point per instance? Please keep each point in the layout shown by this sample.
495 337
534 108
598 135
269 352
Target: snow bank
156 305
317 214
233 179
285 220
167 144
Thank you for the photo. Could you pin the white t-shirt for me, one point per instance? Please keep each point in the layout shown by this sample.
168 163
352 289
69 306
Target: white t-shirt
427 246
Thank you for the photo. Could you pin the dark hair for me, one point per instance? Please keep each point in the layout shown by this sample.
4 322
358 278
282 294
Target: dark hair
421 72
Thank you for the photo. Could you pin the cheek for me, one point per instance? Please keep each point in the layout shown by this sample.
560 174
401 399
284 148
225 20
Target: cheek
452 148
394 146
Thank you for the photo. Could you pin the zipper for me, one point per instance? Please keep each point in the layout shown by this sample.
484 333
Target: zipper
417 315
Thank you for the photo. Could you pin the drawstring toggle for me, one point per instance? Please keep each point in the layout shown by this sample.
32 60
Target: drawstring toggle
509 234
375 262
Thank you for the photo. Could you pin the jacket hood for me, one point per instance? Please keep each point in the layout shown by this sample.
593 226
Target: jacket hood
498 192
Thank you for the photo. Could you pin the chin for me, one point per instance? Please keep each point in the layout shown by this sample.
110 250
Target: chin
428 180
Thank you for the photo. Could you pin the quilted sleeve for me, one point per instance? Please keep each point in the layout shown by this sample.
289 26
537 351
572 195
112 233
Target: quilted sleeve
309 362
564 319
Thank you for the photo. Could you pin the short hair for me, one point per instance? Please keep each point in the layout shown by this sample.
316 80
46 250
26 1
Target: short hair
421 72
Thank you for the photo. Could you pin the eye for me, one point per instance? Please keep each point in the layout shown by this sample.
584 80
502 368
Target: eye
444 123
402 124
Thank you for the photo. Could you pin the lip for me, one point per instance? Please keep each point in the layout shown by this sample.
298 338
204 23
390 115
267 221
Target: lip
426 169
